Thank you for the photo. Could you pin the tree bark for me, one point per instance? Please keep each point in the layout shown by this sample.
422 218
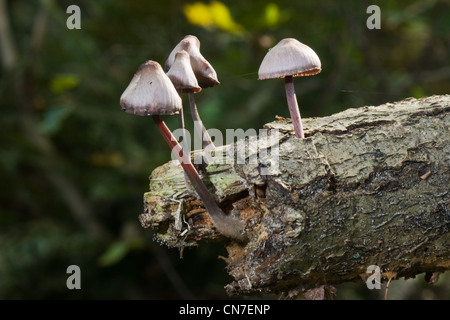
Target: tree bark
367 186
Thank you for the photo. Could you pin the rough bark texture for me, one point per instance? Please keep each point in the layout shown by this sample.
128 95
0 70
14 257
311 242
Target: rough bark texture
367 186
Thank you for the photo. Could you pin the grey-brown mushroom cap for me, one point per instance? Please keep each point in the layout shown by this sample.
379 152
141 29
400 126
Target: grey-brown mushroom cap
150 92
289 57
182 75
204 72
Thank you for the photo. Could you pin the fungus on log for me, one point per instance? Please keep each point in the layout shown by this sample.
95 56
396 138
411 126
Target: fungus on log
367 186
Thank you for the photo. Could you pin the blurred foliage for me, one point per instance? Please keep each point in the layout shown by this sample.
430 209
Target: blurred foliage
215 14
74 167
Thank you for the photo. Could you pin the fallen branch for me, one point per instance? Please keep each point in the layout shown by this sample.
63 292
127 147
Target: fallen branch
367 186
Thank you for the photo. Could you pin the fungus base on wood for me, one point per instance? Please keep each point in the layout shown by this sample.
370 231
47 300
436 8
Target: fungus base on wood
367 186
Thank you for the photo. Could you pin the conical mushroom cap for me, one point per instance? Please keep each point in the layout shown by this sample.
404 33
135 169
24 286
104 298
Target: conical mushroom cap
182 75
150 92
289 57
204 72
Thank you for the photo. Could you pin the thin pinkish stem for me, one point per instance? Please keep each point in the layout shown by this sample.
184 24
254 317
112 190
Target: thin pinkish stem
183 133
181 126
226 225
293 107
198 124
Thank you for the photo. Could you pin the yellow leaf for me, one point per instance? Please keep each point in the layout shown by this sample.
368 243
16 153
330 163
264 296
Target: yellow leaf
215 14
63 82
272 14
222 18
198 13
106 159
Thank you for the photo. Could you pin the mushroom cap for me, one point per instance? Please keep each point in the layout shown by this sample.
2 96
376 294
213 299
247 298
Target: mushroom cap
150 92
289 57
204 72
182 75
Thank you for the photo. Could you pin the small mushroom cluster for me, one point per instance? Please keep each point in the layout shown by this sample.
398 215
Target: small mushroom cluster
152 92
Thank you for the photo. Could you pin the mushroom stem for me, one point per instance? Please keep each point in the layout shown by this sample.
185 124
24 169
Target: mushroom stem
198 124
293 107
181 126
184 144
227 225
183 133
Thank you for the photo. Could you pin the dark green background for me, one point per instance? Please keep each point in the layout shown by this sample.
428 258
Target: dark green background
74 167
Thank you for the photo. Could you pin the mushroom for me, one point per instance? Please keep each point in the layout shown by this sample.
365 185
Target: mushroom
204 72
206 77
150 92
183 79
290 58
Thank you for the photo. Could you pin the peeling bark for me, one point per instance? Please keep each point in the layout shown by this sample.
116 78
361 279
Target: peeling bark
367 186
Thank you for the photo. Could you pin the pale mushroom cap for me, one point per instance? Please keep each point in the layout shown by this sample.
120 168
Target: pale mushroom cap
289 57
150 92
204 72
182 75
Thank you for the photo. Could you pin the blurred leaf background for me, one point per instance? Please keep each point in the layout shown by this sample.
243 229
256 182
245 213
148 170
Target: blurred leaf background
74 167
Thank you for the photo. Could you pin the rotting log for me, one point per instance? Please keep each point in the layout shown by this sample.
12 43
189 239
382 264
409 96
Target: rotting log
367 186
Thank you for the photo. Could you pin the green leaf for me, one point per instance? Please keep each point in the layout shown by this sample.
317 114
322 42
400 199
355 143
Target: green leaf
53 119
118 250
114 253
64 82
272 15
